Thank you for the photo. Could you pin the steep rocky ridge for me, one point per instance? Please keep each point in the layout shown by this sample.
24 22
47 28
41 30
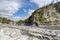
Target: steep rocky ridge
49 14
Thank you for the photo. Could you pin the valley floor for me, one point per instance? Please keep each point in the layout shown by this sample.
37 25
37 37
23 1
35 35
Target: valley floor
15 32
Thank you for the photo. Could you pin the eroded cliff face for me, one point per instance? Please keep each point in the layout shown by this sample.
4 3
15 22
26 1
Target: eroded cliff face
8 32
47 14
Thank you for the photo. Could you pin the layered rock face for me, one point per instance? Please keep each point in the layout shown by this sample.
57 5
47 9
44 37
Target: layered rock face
49 14
28 33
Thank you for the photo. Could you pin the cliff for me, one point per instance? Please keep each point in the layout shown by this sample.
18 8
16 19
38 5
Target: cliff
49 14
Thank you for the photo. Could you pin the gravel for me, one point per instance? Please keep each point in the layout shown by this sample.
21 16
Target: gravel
13 32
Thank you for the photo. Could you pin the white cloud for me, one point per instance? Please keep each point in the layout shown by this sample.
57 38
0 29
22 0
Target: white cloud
15 18
41 3
30 11
8 8
57 0
24 10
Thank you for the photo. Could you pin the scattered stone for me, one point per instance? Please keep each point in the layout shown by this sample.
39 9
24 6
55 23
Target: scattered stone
28 33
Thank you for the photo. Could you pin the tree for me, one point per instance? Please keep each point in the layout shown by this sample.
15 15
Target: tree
5 20
20 22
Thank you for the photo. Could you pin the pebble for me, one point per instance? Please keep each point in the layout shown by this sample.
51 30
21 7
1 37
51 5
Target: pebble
16 34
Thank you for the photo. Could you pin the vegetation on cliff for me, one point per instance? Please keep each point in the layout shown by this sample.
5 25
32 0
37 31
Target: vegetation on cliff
5 20
46 14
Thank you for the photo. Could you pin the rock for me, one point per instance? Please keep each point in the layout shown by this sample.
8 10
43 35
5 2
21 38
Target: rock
28 33
36 39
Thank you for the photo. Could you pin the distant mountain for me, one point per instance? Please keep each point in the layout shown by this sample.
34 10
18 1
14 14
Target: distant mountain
5 20
49 14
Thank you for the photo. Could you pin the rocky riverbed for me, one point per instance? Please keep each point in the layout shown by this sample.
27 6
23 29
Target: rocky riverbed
9 32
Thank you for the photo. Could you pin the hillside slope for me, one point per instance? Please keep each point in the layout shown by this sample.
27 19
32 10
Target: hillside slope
5 20
49 14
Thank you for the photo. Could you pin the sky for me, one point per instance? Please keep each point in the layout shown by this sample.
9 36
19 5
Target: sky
20 9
